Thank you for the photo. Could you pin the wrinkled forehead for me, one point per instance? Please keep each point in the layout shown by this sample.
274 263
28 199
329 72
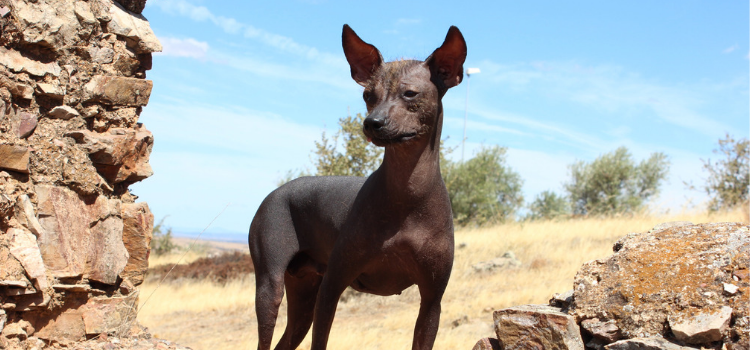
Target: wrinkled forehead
391 74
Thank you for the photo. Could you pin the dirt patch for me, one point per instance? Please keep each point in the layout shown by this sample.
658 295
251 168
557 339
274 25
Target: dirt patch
220 268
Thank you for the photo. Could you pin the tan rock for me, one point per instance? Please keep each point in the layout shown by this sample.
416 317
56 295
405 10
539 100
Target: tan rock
15 158
702 328
119 91
135 28
14 61
23 246
645 344
51 23
51 90
487 344
120 155
63 112
602 330
80 238
536 327
68 326
138 228
105 315
661 277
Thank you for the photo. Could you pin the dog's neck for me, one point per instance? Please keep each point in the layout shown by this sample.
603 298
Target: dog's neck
413 172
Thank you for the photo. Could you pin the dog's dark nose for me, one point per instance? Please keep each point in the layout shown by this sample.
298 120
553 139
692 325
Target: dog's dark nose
374 123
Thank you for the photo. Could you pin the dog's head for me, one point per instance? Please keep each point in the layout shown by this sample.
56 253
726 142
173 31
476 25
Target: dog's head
403 97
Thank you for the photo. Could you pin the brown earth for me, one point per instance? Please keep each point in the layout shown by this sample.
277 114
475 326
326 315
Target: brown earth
219 268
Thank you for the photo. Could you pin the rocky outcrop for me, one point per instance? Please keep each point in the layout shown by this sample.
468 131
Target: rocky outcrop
74 244
678 286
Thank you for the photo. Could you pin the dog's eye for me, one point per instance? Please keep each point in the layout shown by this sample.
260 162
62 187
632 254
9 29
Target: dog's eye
367 96
410 93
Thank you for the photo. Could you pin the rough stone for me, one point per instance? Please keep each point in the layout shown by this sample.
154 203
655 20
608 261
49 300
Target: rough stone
536 327
109 315
20 90
80 239
4 11
606 331
702 328
15 158
135 28
63 112
137 232
645 344
101 54
562 300
120 91
68 326
54 91
83 13
23 246
3 318
26 124
120 155
135 6
51 24
666 274
507 261
14 61
487 344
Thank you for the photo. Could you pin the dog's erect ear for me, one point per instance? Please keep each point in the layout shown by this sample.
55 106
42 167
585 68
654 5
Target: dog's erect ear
364 59
447 62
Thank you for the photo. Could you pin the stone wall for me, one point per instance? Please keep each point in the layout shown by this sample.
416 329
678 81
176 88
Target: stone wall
678 286
74 242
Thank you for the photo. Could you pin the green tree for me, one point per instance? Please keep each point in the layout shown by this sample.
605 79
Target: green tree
483 189
161 242
613 183
548 205
727 183
359 157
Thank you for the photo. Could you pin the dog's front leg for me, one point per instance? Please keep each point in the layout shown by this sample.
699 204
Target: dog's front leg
339 275
428 320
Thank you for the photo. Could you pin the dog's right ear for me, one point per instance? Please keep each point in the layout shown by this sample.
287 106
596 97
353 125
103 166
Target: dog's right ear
364 59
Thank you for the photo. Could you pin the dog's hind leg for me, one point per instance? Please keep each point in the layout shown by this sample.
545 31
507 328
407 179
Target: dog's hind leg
271 250
301 292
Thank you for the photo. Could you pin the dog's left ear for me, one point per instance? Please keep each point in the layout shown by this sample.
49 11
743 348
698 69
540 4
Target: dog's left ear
447 62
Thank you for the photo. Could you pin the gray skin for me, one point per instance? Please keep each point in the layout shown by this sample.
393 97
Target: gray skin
315 236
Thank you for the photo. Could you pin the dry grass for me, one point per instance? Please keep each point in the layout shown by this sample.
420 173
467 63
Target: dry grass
204 315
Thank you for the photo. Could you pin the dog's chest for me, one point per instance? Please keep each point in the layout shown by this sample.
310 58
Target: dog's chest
388 274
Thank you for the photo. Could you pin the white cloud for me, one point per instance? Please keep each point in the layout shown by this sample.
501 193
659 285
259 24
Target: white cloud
183 47
232 26
730 49
610 89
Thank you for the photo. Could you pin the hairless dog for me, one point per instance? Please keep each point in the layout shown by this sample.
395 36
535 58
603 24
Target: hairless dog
315 236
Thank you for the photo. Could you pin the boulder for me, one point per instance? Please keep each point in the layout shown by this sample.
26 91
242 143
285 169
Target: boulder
15 62
118 91
63 112
109 315
536 327
81 238
673 275
23 246
134 28
26 124
137 232
701 328
15 158
120 155
487 344
645 344
50 23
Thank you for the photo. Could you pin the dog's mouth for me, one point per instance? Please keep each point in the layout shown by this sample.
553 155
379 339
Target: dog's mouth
404 137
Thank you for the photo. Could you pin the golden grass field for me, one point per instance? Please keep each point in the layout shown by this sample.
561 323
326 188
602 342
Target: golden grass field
209 316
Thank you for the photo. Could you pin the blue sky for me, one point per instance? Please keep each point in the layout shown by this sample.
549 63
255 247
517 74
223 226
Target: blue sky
243 89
